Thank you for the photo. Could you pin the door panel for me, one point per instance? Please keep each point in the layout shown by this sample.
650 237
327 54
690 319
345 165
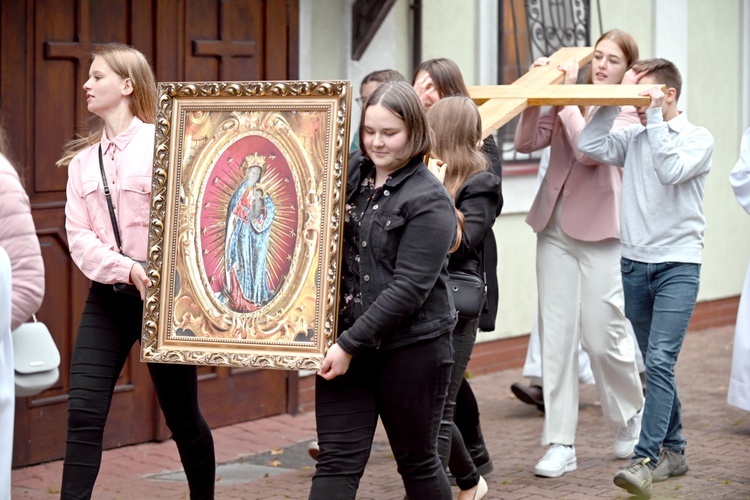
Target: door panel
45 48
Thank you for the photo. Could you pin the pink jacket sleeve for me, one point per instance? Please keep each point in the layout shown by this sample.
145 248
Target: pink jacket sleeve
534 132
18 238
573 122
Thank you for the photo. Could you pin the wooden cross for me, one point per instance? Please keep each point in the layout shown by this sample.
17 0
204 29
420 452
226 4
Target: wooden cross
498 104
224 48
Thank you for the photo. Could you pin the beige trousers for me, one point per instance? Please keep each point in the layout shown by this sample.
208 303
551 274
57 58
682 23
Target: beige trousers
581 299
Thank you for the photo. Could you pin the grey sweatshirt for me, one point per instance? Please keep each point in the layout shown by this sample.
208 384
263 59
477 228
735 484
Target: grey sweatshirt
665 165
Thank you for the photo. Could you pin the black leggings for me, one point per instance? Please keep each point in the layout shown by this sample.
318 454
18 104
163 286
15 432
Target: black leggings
406 388
451 446
110 325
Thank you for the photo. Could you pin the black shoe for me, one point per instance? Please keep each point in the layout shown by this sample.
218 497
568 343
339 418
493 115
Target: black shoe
531 394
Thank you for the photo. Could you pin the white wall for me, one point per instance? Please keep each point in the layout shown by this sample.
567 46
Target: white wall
715 100
709 41
745 44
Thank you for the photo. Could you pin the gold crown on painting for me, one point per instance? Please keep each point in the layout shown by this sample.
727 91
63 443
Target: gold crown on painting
254 160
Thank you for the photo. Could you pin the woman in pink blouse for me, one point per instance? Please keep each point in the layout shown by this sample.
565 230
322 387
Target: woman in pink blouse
122 92
576 217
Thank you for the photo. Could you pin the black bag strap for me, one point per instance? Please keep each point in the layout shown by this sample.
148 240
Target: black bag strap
108 194
482 267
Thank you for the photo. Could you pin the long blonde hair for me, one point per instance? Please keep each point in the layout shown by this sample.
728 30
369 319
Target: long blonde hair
456 129
126 62
3 142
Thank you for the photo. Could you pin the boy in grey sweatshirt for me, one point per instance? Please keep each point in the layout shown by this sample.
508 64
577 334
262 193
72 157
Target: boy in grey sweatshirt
665 162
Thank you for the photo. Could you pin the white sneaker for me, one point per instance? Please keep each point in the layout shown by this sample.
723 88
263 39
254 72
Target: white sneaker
558 460
627 437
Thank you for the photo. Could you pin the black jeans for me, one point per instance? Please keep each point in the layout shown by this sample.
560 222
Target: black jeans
451 447
406 387
110 325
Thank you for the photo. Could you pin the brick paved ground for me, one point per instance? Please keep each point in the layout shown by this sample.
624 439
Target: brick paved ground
718 448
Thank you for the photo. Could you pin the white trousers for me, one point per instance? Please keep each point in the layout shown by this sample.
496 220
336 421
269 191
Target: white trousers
738 393
532 365
581 300
7 387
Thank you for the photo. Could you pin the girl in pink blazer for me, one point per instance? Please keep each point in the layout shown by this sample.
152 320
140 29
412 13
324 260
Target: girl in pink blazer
576 217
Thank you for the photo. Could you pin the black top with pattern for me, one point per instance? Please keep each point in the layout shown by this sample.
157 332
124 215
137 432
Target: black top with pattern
351 294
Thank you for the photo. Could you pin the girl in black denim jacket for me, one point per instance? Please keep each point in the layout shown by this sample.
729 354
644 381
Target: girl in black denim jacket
393 355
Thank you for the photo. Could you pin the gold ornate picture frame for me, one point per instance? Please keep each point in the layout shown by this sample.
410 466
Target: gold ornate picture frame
244 242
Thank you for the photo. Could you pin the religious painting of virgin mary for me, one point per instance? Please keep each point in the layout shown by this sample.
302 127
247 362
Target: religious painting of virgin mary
250 214
245 223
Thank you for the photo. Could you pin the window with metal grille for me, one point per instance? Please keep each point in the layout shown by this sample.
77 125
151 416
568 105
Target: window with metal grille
530 29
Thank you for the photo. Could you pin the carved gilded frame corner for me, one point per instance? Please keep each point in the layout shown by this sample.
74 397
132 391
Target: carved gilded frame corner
244 242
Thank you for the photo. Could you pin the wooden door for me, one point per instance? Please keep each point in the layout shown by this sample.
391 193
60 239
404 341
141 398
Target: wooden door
45 49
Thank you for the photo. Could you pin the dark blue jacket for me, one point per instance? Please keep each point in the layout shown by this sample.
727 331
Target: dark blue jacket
406 233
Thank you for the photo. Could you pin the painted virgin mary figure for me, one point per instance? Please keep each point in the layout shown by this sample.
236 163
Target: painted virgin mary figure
250 214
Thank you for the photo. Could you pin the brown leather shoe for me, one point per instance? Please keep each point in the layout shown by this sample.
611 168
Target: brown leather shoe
529 394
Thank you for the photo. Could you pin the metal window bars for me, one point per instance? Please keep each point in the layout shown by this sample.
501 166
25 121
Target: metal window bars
530 29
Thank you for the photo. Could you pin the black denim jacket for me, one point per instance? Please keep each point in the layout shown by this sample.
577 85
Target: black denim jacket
405 236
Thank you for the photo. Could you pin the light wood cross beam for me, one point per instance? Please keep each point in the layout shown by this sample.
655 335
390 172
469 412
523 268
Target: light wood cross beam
498 104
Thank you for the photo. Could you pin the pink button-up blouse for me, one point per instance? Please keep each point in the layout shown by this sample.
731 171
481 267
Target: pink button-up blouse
128 163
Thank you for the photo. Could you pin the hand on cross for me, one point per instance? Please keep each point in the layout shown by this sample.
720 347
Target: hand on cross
425 87
656 95
570 68
632 76
571 71
541 61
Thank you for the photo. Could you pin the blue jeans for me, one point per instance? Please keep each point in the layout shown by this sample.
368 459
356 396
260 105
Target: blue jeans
659 300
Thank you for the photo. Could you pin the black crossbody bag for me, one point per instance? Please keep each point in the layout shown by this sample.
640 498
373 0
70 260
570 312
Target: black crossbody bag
126 288
469 290
469 293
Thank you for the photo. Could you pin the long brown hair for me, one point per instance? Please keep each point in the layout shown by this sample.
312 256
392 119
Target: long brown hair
627 45
446 76
456 129
3 143
126 62
5 153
